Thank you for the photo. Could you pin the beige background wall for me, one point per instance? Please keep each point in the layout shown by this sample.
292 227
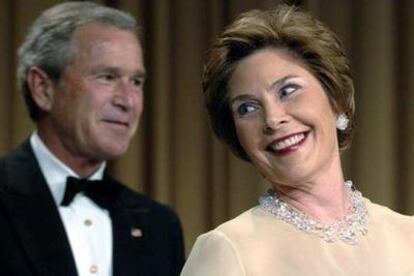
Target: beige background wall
174 158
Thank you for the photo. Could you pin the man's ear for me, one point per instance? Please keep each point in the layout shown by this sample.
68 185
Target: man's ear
41 88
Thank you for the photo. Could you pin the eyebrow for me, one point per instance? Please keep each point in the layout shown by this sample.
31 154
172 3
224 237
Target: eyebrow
141 73
242 97
281 81
275 84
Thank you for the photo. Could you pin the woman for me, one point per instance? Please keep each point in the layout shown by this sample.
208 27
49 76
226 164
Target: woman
279 93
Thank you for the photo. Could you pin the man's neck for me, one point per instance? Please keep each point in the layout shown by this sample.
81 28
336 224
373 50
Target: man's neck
83 167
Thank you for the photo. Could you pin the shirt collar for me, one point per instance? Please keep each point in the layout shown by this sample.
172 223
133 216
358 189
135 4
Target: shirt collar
54 170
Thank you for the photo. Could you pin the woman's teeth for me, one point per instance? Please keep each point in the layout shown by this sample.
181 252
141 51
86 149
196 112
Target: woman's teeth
288 142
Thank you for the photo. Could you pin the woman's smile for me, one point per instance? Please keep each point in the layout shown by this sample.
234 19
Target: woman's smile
287 144
283 117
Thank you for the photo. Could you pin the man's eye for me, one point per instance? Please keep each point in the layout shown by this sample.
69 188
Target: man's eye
107 77
138 82
288 89
246 108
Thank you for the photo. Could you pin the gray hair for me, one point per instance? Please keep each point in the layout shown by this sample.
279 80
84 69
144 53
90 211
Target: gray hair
49 43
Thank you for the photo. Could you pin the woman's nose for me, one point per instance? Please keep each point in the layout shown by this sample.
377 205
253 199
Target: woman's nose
274 117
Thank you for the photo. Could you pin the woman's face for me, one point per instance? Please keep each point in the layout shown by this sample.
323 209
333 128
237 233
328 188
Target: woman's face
283 117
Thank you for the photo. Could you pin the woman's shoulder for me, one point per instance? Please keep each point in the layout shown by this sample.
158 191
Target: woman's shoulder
217 252
249 227
223 250
244 227
241 226
246 223
384 216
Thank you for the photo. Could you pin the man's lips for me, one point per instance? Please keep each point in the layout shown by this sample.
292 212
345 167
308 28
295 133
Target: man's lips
117 122
287 143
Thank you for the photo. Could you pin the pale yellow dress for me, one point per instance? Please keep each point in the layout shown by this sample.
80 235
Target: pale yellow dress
257 244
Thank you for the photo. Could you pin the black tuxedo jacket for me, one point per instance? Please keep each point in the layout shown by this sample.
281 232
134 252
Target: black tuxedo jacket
33 240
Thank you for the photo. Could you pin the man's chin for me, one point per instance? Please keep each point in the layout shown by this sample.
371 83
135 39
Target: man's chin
109 152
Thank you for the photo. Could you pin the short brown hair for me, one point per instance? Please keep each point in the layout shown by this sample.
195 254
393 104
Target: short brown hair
49 43
286 27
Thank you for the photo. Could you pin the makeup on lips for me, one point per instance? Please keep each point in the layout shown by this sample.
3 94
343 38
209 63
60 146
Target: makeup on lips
287 144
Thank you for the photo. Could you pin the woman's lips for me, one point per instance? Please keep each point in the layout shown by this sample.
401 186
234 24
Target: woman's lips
287 144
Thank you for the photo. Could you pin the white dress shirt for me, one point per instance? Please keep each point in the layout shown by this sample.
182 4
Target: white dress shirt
87 226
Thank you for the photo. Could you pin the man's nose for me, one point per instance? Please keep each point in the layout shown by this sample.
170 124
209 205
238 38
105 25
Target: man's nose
124 94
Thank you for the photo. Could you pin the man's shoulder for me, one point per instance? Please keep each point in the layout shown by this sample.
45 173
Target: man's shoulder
18 162
19 153
134 200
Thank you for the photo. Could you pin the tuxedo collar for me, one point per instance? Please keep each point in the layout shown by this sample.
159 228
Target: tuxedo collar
33 212
55 171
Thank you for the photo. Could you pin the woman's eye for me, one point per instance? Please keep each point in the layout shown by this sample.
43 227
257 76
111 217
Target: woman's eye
288 89
245 108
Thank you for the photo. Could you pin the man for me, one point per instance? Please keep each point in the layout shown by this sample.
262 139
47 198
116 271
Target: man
81 73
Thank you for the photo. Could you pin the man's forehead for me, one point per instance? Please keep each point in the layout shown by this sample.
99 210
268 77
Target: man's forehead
99 31
101 48
106 40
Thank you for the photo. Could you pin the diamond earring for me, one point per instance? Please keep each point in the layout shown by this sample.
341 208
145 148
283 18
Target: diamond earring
342 121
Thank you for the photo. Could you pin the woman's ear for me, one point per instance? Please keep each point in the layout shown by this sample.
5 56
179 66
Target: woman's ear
41 88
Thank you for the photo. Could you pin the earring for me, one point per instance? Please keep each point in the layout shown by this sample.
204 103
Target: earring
342 121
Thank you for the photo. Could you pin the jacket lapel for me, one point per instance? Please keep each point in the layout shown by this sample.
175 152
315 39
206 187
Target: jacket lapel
33 213
129 227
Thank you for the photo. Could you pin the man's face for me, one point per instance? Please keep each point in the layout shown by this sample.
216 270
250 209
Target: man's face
98 101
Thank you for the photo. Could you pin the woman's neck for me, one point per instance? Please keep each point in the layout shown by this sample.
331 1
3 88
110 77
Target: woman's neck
324 197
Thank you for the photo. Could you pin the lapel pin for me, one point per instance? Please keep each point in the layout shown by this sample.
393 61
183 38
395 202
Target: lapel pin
136 232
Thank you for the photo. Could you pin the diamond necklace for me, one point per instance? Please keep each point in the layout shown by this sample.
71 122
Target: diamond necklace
347 229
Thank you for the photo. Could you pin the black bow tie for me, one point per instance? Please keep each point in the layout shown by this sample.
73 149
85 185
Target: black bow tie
101 192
